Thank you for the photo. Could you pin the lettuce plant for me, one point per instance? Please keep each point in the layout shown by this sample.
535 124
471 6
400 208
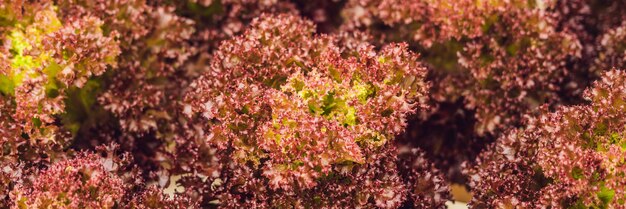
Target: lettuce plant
570 158
304 111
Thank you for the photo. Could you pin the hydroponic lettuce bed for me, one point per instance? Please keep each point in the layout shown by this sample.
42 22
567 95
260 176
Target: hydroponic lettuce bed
312 104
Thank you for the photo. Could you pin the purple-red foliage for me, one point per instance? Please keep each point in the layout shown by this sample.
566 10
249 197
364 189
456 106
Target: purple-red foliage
299 104
90 180
294 112
83 182
573 157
